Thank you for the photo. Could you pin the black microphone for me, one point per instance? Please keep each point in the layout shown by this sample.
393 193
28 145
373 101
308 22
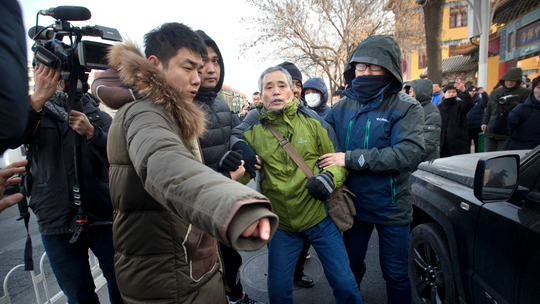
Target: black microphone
68 13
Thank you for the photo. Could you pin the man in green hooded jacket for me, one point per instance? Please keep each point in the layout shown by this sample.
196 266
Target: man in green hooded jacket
510 85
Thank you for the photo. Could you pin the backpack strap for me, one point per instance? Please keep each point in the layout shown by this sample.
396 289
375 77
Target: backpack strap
26 188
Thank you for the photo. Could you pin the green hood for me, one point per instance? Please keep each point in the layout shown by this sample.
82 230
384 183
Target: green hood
513 74
379 49
423 88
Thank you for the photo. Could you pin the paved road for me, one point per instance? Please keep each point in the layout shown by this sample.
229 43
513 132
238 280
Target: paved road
253 272
12 241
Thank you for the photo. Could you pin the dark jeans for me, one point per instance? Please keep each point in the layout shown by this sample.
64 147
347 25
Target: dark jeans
473 136
232 261
393 256
71 267
285 246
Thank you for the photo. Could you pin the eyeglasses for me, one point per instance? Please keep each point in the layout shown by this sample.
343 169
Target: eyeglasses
363 66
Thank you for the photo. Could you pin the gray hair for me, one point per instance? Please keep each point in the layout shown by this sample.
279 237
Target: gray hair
273 69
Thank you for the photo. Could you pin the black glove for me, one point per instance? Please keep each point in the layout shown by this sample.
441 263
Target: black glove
248 155
320 186
231 161
505 108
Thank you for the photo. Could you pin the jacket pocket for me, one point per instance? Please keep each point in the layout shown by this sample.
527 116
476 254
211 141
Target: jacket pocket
201 252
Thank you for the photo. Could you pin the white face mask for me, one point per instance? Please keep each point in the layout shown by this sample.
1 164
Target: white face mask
313 100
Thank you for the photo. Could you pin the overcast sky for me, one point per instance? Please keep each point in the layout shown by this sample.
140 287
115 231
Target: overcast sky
220 19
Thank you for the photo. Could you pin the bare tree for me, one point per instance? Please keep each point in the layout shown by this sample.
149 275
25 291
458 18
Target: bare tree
319 36
409 25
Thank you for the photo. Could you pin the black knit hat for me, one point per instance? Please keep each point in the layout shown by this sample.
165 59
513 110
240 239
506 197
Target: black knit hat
449 87
473 89
292 69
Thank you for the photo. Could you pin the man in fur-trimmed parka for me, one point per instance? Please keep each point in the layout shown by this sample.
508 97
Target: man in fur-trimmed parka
171 209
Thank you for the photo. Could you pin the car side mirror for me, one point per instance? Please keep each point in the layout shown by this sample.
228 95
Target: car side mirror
496 178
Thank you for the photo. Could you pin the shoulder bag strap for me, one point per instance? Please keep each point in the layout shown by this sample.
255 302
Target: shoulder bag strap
286 144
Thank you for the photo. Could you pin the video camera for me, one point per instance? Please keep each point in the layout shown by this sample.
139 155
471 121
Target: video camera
508 99
81 56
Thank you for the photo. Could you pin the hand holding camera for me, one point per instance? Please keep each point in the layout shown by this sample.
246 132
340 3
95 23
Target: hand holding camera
505 102
45 80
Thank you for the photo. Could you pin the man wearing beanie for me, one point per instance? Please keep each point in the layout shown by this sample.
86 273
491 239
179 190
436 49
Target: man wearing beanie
475 115
509 85
523 122
296 76
381 131
454 129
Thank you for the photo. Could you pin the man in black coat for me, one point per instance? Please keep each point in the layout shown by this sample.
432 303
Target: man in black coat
454 129
48 132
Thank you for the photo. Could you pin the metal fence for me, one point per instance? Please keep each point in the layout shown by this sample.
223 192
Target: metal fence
99 281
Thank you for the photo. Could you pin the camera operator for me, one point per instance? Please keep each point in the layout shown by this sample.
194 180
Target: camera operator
523 122
510 85
53 169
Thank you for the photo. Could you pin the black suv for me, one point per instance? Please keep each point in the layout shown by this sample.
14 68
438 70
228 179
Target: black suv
475 237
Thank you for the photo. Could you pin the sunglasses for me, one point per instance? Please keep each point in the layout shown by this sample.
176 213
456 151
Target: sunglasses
363 67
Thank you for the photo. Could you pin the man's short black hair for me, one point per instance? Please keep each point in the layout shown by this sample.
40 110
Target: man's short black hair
437 83
257 93
338 93
165 40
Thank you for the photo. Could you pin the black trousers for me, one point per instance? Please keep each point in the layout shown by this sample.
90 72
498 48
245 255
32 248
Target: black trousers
232 261
299 270
473 136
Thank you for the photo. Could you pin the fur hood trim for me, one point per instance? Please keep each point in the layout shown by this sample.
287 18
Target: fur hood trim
149 83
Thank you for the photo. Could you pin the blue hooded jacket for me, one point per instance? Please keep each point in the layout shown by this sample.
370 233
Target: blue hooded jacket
383 136
317 84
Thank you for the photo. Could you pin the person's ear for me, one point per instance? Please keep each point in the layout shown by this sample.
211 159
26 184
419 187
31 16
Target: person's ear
154 60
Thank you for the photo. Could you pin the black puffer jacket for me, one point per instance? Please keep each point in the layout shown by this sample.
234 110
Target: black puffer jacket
493 104
525 131
476 114
454 123
215 143
53 169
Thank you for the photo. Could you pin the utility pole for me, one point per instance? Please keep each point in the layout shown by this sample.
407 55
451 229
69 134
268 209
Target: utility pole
482 15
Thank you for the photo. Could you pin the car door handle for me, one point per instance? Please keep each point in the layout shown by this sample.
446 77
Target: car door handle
464 206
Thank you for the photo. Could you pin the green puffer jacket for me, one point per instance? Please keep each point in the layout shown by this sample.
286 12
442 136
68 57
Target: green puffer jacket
282 181
493 103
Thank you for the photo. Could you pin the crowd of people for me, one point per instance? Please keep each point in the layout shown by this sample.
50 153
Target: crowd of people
162 200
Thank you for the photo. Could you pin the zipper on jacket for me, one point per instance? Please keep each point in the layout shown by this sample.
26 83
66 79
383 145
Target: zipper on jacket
393 188
348 134
366 139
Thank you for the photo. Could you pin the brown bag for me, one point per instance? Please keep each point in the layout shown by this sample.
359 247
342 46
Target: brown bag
340 203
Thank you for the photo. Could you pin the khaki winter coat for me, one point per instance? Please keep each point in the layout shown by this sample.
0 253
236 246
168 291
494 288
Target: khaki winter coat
169 207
